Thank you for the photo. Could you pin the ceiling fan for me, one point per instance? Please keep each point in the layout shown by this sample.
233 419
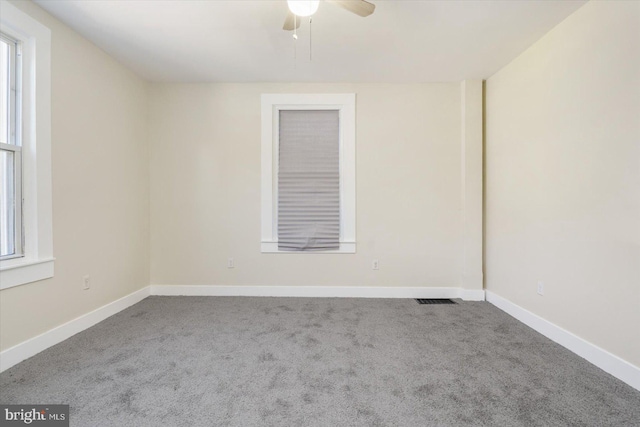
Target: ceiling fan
299 8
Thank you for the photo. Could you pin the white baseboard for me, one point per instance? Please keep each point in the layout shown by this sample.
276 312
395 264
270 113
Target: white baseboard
472 294
35 345
604 360
319 291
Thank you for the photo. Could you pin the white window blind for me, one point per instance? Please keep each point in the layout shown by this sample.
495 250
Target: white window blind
309 180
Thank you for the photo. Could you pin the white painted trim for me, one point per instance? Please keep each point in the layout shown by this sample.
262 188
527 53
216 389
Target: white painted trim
317 291
604 360
33 346
272 248
271 104
472 294
26 272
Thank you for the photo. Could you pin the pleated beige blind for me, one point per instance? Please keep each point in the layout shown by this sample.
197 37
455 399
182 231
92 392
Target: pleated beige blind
308 180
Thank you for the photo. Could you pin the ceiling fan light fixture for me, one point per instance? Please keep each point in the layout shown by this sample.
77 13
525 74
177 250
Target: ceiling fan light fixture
303 7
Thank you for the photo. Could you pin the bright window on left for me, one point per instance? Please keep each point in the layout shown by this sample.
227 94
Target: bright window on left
11 235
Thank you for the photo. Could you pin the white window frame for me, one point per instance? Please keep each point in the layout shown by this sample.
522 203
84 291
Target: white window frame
37 262
272 104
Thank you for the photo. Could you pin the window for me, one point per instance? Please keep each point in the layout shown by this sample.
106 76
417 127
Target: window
308 173
10 151
26 248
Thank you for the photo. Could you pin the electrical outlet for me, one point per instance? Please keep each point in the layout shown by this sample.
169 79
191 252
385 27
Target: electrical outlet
375 265
86 282
540 288
230 263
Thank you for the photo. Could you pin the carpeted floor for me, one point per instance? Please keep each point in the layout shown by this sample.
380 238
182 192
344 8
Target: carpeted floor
237 361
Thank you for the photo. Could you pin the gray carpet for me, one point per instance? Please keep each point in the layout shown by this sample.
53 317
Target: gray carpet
235 361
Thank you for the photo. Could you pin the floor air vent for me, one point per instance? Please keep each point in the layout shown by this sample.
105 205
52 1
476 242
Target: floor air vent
435 301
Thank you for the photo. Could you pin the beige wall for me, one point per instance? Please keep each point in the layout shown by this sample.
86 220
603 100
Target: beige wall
100 188
563 177
205 188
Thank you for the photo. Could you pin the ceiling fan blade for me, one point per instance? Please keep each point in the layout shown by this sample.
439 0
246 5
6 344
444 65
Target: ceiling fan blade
290 21
359 7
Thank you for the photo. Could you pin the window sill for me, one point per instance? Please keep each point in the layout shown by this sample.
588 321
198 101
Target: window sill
16 272
345 248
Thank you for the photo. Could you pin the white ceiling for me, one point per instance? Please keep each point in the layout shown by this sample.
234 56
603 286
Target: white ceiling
243 41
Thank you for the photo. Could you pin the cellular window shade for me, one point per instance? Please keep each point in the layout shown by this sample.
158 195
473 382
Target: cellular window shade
308 180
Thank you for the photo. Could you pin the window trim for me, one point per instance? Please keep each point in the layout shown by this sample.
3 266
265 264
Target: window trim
37 262
271 106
